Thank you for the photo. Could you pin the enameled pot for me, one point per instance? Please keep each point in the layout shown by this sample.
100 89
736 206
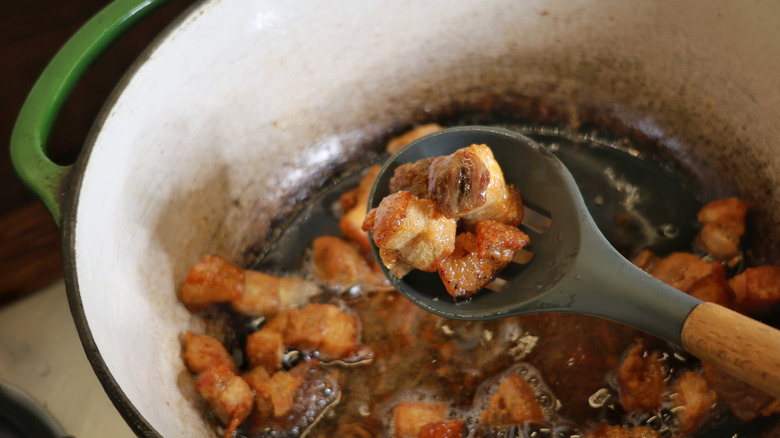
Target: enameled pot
244 107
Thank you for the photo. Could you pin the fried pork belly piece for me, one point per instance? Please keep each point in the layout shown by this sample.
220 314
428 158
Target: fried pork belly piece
324 328
681 270
604 430
693 395
513 403
690 274
478 258
267 295
458 183
212 280
756 289
265 348
412 178
744 401
228 395
442 429
203 352
466 184
339 264
354 215
641 380
503 202
410 417
724 225
275 394
397 143
499 242
414 227
393 261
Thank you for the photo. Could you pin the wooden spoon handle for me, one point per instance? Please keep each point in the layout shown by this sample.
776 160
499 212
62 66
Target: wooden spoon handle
738 345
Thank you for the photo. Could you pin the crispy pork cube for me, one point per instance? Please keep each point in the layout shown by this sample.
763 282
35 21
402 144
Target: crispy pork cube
442 429
227 394
324 328
713 288
265 348
412 177
513 403
756 289
410 417
414 227
278 323
257 378
731 210
464 272
280 388
212 280
499 242
392 259
339 264
641 380
744 401
724 225
503 202
458 183
397 143
681 270
604 430
696 399
352 222
203 352
267 295
721 241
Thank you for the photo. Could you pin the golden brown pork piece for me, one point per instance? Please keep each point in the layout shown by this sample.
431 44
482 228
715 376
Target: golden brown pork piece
503 202
458 183
228 395
395 144
325 328
690 274
410 417
757 289
724 225
414 227
479 258
604 430
412 178
212 280
267 295
466 184
275 394
513 403
642 380
696 400
339 264
203 352
355 203
265 348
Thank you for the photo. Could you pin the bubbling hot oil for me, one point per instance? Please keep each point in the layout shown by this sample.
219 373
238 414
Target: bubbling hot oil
416 356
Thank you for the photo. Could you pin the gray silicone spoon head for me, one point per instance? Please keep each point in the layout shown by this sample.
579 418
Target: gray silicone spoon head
574 268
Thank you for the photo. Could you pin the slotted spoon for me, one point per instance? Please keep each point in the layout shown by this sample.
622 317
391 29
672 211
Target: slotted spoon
575 269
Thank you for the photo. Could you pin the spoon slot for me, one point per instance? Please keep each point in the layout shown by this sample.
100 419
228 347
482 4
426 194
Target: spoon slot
535 220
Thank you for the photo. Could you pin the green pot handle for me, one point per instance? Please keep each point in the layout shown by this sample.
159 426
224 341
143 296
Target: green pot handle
31 133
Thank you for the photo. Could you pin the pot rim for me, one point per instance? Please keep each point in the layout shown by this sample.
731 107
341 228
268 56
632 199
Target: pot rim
69 205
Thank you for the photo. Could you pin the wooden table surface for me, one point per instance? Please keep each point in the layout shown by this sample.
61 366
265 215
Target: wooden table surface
31 32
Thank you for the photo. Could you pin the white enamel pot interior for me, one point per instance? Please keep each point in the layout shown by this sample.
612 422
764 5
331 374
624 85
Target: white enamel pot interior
245 106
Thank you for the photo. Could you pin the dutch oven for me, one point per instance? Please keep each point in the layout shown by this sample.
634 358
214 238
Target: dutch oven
243 108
